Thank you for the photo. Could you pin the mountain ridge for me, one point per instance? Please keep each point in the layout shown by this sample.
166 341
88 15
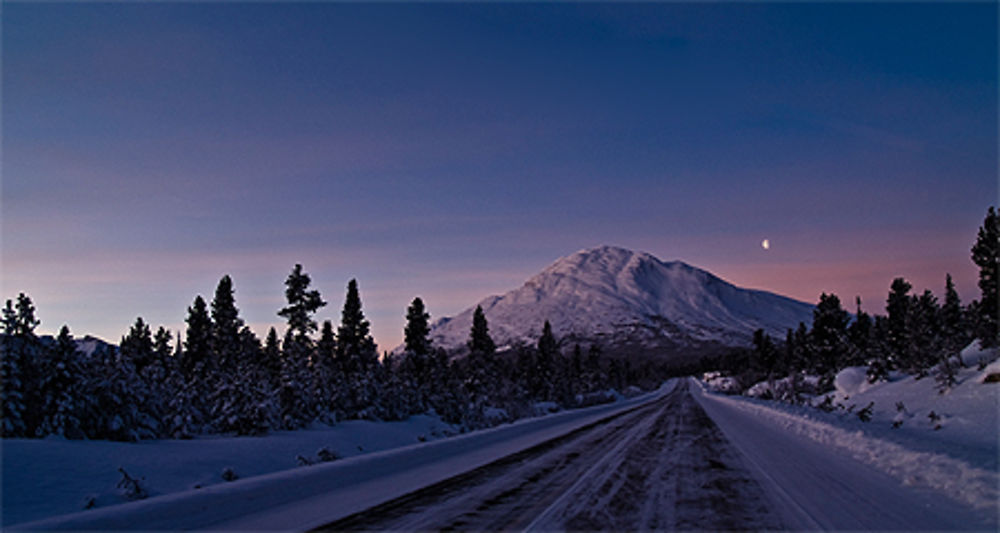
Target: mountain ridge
621 298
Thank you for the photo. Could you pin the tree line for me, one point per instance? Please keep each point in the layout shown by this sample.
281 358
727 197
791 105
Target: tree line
918 334
220 378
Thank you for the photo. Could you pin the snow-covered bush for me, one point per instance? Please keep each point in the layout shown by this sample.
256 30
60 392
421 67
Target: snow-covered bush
228 474
325 455
131 488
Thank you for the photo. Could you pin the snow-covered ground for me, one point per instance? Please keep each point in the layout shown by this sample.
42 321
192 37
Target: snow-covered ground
43 478
47 478
674 459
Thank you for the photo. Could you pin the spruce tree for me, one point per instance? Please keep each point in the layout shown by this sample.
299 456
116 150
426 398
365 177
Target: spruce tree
986 255
195 363
545 362
859 333
272 358
480 341
302 303
355 347
953 328
23 402
828 337
11 365
59 385
358 357
226 324
138 345
924 329
897 333
417 329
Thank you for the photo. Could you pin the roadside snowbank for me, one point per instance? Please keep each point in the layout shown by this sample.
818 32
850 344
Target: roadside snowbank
958 462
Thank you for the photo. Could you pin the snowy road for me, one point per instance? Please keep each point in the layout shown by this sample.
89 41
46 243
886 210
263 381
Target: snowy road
677 459
687 461
665 466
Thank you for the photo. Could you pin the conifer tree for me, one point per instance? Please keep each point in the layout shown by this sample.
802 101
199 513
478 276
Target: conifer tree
226 324
197 342
302 303
355 347
924 334
326 374
828 336
548 350
859 333
358 357
21 401
479 339
897 331
272 358
986 255
11 364
138 345
765 355
953 329
60 376
417 329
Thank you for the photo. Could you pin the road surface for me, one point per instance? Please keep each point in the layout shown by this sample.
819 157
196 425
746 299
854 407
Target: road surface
684 461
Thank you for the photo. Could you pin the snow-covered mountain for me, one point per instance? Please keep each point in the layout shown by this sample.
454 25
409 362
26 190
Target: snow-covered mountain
628 300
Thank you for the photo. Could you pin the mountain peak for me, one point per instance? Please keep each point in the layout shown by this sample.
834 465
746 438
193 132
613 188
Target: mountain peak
617 296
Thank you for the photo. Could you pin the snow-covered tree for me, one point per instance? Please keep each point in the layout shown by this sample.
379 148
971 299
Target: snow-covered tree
828 337
226 324
137 345
897 332
196 358
11 365
60 389
986 255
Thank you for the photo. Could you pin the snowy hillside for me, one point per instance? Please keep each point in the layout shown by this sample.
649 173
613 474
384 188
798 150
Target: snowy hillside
622 298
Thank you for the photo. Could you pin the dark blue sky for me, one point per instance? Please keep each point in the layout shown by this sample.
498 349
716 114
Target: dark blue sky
452 150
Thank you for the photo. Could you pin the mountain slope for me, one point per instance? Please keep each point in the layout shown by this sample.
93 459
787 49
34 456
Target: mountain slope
628 300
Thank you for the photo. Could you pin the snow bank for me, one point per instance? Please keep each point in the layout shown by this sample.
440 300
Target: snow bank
957 479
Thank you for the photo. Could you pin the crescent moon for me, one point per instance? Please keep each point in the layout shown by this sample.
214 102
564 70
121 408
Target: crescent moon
765 244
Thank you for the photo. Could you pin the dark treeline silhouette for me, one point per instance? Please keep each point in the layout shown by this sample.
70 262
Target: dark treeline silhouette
219 378
918 333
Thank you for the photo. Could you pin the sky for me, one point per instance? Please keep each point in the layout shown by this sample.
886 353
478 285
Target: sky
452 150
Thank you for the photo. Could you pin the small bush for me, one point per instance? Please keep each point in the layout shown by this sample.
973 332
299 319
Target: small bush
130 487
303 461
90 501
229 475
326 455
865 414
826 404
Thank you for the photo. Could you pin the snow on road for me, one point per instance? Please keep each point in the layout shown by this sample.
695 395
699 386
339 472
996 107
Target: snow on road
824 477
665 466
